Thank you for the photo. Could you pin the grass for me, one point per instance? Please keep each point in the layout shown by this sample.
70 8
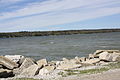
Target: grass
90 71
77 72
114 65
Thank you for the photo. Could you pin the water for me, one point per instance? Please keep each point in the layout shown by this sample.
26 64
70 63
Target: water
57 47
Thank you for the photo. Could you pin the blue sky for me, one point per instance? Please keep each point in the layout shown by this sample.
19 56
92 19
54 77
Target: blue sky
45 15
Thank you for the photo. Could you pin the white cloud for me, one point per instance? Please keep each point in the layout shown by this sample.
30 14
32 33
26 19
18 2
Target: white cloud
61 12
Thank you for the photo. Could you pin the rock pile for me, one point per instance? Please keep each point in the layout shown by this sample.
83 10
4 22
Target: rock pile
13 65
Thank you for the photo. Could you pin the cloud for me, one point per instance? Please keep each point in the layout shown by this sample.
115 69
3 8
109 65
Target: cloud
54 12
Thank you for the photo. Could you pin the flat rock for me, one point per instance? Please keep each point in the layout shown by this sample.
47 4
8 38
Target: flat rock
109 51
42 62
92 61
15 58
46 70
7 63
31 70
68 66
105 56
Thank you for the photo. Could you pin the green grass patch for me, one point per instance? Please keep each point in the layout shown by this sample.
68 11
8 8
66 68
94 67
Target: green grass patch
114 65
77 72
89 71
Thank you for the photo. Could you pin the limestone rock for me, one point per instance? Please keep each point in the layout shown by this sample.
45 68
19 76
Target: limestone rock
105 56
68 66
7 63
92 61
4 73
42 62
117 59
31 70
109 51
26 63
46 70
14 58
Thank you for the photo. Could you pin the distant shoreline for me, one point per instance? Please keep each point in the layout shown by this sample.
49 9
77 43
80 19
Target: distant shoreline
47 33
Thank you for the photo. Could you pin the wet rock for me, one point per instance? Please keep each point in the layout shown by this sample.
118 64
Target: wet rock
7 63
4 73
31 70
42 62
46 70
15 58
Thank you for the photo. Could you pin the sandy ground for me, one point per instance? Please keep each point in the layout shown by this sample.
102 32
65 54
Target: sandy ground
109 75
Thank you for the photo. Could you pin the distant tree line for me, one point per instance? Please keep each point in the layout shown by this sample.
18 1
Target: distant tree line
47 33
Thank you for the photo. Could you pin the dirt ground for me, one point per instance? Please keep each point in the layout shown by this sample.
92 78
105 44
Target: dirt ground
109 75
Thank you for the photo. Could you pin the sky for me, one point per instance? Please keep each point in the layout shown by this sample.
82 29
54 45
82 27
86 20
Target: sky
51 15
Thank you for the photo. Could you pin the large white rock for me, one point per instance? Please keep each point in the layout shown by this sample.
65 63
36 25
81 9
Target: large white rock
26 63
7 62
31 70
46 70
42 62
109 51
14 58
105 56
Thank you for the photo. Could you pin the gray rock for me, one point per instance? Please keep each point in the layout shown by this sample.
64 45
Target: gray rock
7 63
31 70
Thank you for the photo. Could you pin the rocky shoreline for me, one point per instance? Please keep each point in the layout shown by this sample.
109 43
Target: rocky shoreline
17 66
